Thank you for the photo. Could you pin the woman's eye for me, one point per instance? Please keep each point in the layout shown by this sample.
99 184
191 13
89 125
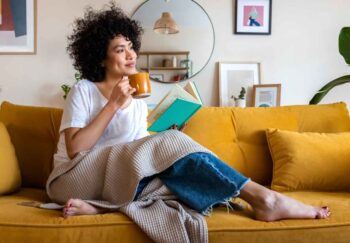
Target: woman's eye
120 50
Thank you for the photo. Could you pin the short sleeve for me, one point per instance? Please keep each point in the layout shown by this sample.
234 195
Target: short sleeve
142 131
76 110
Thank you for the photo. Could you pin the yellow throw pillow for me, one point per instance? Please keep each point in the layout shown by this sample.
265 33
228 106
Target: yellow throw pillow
10 177
309 161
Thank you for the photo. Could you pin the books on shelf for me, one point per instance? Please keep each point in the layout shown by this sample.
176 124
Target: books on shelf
177 107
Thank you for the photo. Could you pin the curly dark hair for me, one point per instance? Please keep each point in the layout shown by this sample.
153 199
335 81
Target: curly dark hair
88 44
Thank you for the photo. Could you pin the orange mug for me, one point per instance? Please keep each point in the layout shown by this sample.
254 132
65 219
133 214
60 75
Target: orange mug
142 84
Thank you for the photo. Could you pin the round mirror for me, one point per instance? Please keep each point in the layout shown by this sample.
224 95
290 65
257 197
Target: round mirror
178 39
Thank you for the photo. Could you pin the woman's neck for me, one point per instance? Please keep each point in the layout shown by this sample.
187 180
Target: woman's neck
110 81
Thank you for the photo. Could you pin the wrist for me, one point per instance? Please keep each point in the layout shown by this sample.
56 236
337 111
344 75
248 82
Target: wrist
112 106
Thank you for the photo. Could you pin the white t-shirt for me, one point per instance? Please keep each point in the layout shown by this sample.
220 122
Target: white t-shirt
84 102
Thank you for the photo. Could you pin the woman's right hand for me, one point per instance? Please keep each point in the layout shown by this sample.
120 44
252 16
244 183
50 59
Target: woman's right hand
121 92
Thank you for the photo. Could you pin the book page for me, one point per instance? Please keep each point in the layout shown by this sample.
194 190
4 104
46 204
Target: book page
191 88
176 92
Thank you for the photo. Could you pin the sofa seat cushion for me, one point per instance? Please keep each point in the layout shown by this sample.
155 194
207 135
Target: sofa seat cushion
34 225
237 227
26 224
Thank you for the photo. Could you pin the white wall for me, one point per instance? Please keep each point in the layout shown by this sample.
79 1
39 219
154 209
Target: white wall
301 53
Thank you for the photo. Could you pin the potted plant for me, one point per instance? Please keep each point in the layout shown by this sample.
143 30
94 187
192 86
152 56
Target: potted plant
66 88
344 49
240 100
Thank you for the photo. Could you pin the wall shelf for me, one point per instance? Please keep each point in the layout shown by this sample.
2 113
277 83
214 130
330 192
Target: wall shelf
164 68
161 64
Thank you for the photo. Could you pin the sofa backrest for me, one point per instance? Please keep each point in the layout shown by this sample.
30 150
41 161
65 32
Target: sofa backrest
236 135
34 134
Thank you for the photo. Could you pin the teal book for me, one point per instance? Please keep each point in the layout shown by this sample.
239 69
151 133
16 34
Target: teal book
176 108
178 113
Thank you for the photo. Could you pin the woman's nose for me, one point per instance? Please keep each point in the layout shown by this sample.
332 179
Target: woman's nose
130 54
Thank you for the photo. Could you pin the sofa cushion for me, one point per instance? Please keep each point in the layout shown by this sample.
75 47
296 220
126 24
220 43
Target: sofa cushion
309 161
213 128
32 225
250 125
10 176
34 134
238 137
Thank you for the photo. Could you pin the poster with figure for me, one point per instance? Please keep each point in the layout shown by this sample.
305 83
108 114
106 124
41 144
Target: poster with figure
253 17
17 26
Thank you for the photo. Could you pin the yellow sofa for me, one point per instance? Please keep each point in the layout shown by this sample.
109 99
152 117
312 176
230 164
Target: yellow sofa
236 135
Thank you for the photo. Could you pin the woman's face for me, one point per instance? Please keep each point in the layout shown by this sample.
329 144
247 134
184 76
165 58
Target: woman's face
121 58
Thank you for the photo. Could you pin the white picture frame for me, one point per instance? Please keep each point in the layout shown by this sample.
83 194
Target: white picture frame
234 76
18 27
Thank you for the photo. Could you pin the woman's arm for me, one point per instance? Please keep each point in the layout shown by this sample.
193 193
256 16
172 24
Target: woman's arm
80 139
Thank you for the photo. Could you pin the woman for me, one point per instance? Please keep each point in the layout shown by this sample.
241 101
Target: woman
101 112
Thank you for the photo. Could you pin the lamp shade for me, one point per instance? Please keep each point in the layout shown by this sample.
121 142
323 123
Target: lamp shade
166 24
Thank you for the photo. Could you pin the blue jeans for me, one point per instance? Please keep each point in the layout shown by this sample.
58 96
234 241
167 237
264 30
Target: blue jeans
200 180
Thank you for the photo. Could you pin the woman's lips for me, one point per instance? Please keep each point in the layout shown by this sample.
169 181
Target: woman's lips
130 65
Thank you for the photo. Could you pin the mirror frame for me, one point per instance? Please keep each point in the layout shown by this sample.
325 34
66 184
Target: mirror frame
210 55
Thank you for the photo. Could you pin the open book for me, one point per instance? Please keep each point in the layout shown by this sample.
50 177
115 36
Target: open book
177 107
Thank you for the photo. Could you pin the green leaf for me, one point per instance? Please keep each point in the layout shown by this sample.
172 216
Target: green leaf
344 44
66 88
325 89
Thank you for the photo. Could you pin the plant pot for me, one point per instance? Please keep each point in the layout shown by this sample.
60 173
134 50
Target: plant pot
240 103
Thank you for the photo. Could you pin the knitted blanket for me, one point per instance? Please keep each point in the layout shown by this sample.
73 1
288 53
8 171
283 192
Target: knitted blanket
108 177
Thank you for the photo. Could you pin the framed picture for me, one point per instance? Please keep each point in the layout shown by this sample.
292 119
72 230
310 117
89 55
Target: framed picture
157 77
17 26
253 17
235 76
267 95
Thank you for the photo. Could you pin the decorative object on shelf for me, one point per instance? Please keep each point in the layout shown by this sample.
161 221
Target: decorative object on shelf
176 78
240 100
234 76
166 62
18 27
196 35
157 77
266 95
166 24
187 63
344 50
253 17
174 61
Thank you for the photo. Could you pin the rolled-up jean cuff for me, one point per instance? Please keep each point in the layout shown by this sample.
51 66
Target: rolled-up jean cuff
202 180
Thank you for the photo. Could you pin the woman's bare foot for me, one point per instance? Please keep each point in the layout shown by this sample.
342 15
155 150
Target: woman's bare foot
269 205
277 206
79 207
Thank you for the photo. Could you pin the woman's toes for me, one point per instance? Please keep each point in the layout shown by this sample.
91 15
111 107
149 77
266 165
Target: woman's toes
323 213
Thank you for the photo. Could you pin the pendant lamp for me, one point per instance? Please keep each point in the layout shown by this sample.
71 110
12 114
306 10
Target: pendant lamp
166 24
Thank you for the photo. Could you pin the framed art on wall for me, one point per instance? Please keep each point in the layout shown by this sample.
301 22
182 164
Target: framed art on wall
157 77
17 26
253 17
234 76
267 95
